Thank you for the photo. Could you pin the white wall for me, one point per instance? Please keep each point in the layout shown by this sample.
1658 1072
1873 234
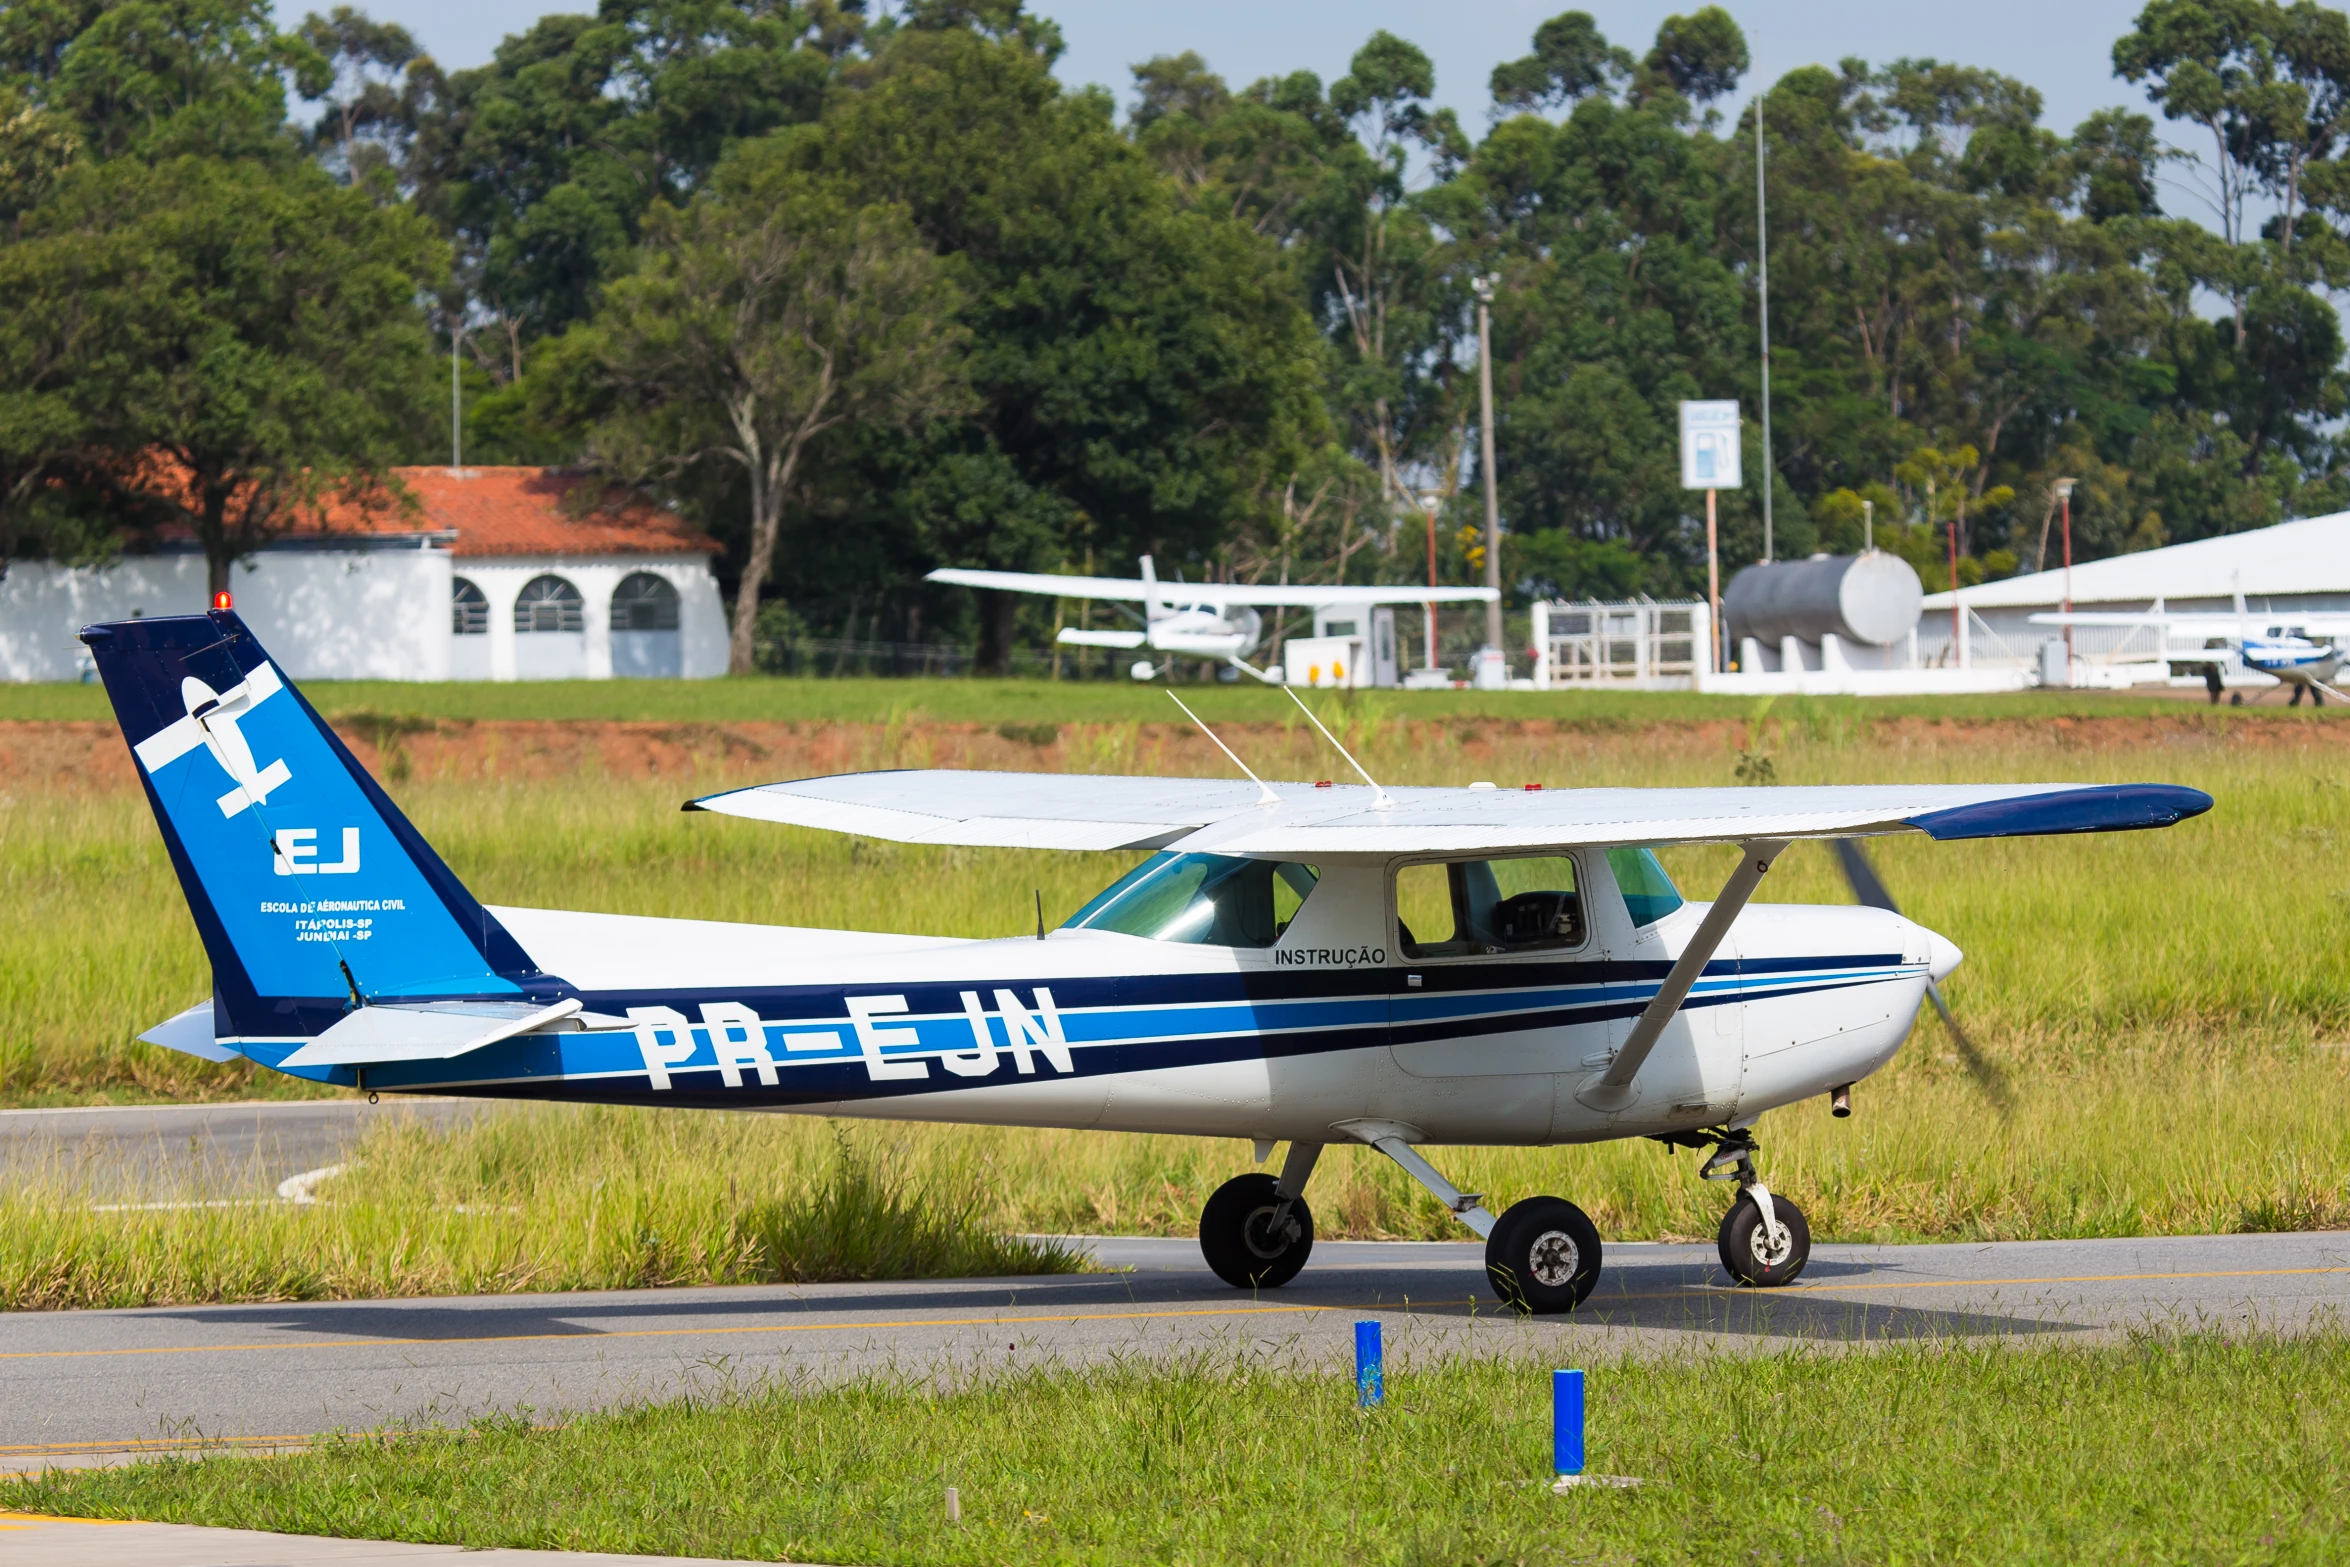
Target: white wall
701 620
369 615
355 615
323 615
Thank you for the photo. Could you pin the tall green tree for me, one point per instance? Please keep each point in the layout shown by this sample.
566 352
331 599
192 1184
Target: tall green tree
240 341
1144 375
760 321
543 164
163 78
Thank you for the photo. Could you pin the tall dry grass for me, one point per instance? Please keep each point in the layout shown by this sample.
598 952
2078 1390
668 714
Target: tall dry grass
536 1199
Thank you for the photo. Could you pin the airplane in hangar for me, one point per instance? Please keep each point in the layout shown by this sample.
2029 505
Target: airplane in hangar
1293 963
1219 621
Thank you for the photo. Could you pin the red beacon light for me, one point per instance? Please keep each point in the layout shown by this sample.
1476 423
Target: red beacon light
1321 783
220 600
1533 788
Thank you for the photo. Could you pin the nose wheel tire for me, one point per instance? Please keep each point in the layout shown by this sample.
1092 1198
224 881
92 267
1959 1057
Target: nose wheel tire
1248 1240
1754 1256
1543 1256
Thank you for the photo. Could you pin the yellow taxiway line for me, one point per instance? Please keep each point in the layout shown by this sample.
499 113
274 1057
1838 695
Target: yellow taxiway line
1050 1318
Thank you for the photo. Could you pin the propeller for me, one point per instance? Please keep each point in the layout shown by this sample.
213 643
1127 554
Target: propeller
1869 888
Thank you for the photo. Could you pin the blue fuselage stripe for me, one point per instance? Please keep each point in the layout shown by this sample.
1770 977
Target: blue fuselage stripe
814 1051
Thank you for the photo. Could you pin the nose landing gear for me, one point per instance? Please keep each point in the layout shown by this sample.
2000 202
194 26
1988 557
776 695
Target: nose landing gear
1764 1240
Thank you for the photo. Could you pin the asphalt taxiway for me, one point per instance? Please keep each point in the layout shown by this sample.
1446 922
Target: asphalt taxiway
196 1153
84 1386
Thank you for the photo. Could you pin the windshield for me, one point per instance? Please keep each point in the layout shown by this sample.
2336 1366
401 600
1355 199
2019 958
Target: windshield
1649 894
1212 900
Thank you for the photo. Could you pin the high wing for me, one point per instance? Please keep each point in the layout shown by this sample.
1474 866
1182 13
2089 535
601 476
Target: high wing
1216 594
2219 622
1067 811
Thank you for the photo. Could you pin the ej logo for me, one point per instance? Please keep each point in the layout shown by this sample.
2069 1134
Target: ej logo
295 853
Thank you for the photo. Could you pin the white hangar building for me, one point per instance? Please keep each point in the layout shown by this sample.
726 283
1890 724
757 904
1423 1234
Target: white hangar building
489 579
2292 566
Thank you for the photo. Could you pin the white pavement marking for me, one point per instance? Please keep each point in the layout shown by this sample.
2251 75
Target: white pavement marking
299 1189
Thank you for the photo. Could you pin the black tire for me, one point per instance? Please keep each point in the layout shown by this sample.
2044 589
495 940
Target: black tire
1747 1255
1543 1256
1234 1237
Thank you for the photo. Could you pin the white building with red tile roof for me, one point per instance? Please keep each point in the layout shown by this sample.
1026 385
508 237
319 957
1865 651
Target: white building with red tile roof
480 574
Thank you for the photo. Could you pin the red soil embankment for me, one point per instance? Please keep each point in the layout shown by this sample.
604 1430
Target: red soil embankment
64 756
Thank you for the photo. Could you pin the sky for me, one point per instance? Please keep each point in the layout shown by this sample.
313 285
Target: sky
2062 47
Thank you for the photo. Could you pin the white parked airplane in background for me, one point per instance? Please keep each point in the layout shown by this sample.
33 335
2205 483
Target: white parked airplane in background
1206 620
1295 963
2299 650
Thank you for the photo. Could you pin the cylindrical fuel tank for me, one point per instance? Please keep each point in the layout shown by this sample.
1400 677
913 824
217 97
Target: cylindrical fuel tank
1872 598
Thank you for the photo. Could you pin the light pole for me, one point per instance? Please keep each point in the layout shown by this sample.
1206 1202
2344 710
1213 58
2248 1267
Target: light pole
1428 610
1762 261
456 405
2064 498
1484 286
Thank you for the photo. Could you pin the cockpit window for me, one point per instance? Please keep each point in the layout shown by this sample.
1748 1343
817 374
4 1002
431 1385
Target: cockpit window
1649 894
1211 900
1480 907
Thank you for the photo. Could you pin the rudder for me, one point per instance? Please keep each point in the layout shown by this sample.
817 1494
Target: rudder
309 887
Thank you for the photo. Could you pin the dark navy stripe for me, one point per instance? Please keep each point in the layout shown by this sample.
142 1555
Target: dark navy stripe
533 1067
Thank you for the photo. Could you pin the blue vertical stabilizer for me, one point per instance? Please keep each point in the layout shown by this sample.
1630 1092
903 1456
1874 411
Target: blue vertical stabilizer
310 889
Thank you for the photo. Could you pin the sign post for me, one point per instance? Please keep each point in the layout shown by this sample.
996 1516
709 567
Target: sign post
1709 462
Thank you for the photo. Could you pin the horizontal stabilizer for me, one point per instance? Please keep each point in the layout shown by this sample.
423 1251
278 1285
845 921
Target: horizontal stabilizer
1072 637
424 1031
1073 811
190 1034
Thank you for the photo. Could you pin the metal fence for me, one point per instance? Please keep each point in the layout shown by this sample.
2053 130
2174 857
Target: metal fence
1645 644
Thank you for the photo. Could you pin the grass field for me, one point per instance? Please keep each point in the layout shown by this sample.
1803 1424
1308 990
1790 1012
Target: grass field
2169 1449
765 699
2167 1012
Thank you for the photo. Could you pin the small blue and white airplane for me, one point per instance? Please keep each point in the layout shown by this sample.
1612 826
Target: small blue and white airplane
2298 650
1299 963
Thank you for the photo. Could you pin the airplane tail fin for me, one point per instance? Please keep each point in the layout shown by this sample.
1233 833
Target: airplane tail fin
312 892
1154 604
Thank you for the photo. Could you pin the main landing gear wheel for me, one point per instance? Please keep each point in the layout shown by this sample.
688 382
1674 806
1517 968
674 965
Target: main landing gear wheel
1543 1256
1755 1256
1250 1239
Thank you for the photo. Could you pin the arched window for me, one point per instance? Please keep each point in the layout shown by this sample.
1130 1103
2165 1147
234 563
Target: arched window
549 604
644 602
469 609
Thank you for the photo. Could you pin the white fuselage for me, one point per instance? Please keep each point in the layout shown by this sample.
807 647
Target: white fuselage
1090 1029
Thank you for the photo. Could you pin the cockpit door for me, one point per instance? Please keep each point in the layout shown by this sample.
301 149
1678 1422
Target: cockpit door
1492 991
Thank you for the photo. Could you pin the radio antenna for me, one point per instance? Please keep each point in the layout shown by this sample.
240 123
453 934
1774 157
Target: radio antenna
1384 800
1265 794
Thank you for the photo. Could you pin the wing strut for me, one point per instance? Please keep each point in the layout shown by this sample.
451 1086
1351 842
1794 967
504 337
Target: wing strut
1613 1090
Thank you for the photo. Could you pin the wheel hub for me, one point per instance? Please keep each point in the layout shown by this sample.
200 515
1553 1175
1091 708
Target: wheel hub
1263 1239
1769 1252
1553 1259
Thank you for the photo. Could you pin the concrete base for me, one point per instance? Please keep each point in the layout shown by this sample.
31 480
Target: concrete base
1868 682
